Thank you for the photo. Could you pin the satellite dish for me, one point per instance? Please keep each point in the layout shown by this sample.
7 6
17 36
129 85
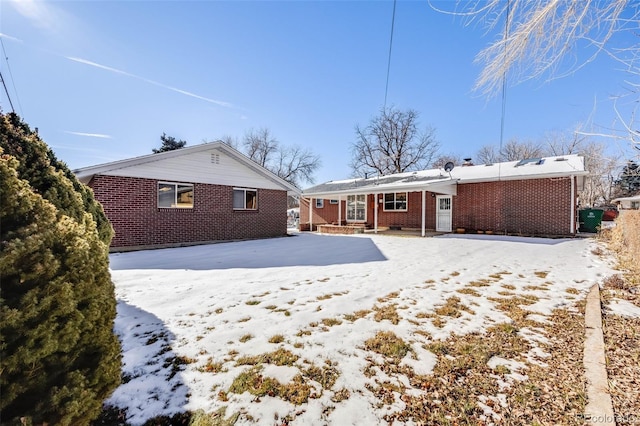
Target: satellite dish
448 167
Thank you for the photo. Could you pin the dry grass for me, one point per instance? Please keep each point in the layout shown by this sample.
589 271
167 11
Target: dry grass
278 338
387 312
246 337
278 357
624 241
386 343
357 315
552 394
452 308
326 375
297 392
330 322
388 297
468 291
621 334
211 366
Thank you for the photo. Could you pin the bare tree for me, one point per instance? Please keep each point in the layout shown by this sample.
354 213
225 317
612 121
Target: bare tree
545 38
392 143
600 182
260 146
517 150
488 154
294 164
446 158
232 141
564 143
540 34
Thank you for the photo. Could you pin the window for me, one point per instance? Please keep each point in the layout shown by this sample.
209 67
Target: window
319 203
333 201
175 195
356 207
245 199
395 202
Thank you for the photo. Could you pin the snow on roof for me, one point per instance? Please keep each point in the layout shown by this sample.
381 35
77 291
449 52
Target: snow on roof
632 198
535 168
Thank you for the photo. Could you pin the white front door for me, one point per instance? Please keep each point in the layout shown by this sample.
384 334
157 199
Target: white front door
443 213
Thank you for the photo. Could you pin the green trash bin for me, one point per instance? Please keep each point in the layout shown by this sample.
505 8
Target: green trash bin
590 220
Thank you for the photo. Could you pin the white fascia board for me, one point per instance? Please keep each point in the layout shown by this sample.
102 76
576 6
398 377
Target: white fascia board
524 177
387 189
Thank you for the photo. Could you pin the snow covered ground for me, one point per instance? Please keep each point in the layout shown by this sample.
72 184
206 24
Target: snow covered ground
187 317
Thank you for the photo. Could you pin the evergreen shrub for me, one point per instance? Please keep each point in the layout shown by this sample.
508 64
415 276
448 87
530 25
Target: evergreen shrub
60 356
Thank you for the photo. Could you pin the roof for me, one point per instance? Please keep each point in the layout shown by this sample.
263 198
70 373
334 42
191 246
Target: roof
438 180
632 198
85 174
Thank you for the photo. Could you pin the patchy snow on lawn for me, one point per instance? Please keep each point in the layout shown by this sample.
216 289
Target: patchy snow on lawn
276 329
624 308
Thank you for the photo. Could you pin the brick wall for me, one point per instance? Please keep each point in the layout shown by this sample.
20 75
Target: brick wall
132 208
412 218
530 207
534 206
324 215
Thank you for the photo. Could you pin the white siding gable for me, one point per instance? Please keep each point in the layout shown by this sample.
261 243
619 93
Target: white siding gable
212 166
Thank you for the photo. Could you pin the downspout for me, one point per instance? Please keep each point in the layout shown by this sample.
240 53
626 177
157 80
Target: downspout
573 205
424 212
310 214
339 210
375 213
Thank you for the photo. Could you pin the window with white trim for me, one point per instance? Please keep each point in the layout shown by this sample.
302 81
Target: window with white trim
175 195
245 199
357 207
396 202
319 203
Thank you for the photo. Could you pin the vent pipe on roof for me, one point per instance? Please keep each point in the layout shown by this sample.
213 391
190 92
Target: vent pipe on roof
467 162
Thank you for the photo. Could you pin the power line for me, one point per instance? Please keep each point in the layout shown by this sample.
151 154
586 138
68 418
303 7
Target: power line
504 75
13 80
503 113
7 92
393 20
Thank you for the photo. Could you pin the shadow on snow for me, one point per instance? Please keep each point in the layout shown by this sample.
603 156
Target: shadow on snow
300 250
152 382
508 238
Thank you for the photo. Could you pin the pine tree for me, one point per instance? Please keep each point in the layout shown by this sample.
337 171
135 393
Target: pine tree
60 357
169 143
629 182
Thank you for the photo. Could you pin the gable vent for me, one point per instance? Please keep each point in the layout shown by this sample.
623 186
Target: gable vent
215 158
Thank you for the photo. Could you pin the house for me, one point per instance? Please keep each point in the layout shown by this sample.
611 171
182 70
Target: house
529 197
628 203
198 194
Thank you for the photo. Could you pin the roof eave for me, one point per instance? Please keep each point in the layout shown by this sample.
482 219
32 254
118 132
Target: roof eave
85 174
381 189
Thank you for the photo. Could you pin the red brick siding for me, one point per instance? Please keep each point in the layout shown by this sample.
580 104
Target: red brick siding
412 218
535 206
132 208
326 214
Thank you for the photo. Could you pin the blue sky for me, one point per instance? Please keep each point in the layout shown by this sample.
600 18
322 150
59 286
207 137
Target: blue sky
102 80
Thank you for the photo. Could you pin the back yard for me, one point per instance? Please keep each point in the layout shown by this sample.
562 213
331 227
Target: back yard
311 329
